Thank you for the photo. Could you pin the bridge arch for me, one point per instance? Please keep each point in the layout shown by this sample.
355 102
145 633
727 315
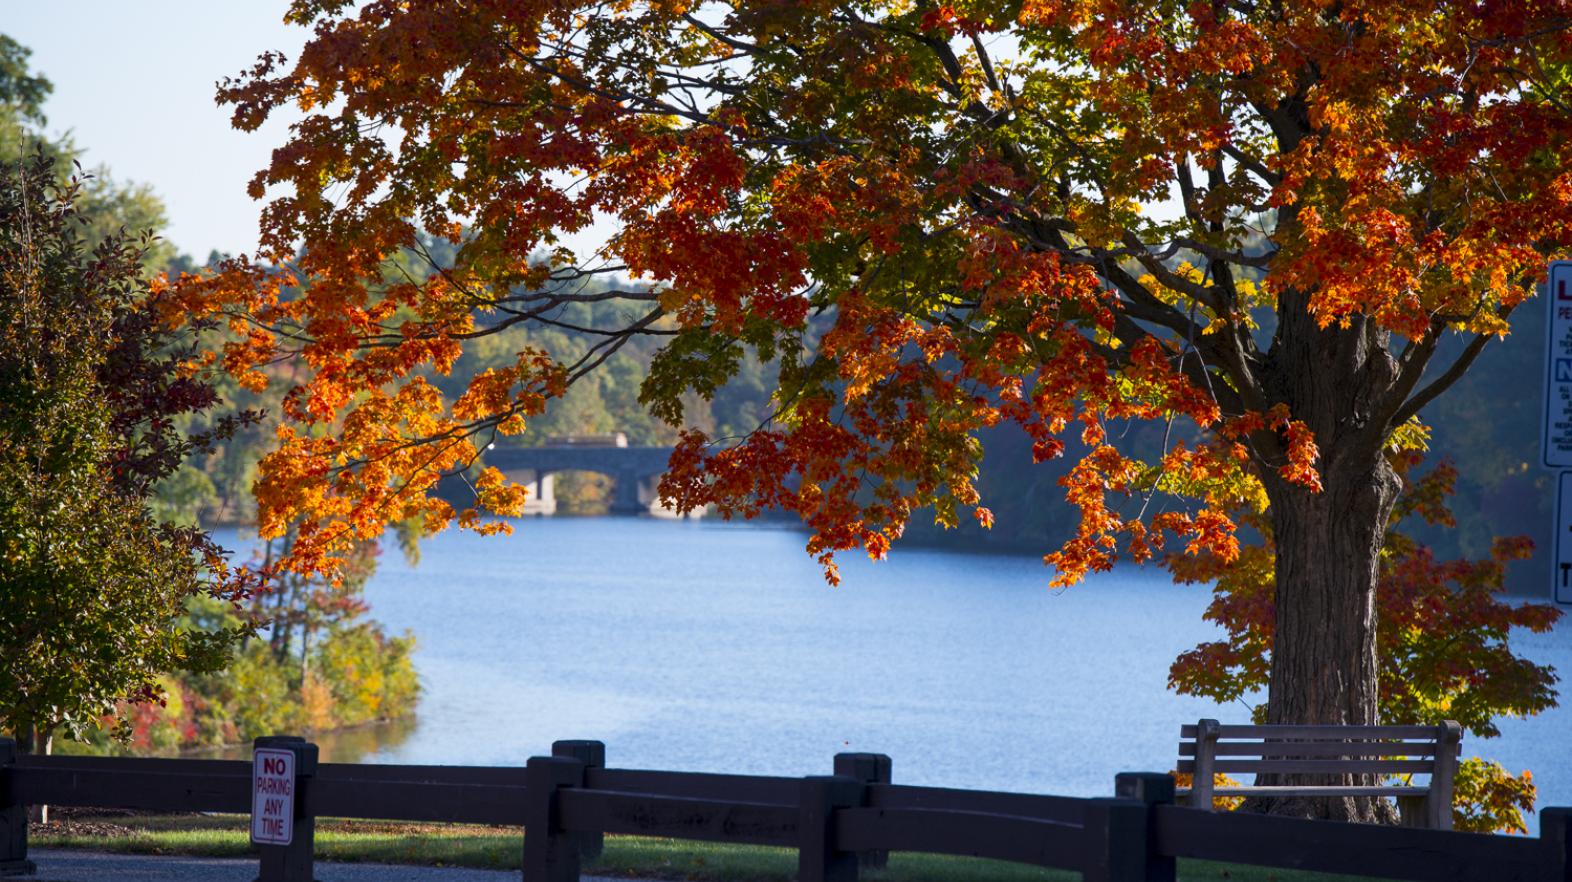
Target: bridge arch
630 468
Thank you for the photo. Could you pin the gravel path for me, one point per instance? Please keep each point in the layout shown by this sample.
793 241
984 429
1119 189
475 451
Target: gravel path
71 865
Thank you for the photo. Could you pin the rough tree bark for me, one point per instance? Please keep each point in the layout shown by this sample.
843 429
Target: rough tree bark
1328 543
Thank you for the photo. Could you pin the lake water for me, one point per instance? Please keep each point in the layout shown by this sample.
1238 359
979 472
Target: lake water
701 646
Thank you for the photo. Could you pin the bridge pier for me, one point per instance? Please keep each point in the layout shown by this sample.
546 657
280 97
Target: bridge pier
625 495
542 495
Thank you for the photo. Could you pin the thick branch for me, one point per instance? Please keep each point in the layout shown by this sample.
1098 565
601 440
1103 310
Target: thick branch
1411 366
1444 382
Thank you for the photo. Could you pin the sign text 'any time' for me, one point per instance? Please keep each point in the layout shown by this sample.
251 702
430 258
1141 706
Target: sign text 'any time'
272 796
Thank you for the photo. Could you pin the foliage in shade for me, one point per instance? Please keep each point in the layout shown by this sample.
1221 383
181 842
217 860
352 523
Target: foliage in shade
1443 637
92 383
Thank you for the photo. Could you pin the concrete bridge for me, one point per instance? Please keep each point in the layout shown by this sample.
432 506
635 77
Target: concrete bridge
633 470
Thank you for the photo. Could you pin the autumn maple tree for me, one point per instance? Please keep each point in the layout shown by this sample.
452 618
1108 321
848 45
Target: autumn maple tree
1253 222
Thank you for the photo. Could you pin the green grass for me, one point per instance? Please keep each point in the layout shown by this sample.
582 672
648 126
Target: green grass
500 848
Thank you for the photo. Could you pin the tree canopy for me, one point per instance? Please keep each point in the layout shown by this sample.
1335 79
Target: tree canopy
768 160
1250 223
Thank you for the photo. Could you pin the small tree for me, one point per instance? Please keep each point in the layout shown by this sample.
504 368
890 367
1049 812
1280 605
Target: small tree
92 384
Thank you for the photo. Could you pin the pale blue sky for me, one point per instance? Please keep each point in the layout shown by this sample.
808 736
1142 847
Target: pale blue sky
134 83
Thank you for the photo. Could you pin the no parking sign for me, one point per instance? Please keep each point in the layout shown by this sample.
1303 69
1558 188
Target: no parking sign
272 796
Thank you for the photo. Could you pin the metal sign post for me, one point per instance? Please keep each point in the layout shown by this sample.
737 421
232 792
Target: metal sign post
1561 572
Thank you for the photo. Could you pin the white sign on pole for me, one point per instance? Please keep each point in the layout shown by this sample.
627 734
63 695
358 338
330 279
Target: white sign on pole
1562 543
272 796
1556 439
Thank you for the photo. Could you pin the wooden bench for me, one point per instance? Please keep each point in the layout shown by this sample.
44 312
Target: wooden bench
1335 752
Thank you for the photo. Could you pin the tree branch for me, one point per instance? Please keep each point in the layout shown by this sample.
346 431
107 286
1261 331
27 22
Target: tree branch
1453 373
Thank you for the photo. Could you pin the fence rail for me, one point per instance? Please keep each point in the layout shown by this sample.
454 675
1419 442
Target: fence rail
678 817
837 823
1362 849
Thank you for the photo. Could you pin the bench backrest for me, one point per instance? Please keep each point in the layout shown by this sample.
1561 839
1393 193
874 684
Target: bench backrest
1208 748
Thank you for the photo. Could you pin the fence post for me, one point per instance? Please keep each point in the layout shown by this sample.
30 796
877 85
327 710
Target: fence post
869 768
13 819
818 858
1115 837
292 862
593 755
550 853
1152 789
1555 834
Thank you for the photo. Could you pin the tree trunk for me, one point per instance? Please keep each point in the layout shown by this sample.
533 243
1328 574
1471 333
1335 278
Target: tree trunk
1324 647
1339 381
1324 667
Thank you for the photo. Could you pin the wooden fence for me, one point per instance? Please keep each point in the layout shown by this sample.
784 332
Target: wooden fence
837 823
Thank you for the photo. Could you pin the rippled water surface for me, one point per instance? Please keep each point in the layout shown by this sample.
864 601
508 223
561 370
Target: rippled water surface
708 647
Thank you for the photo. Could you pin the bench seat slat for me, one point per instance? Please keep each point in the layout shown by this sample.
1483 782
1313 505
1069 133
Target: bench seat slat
1295 749
1286 790
1322 733
1317 766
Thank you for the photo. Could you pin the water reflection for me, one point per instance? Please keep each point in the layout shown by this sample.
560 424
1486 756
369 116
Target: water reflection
355 745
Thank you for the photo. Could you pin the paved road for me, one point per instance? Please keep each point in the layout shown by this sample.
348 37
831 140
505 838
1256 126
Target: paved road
62 865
